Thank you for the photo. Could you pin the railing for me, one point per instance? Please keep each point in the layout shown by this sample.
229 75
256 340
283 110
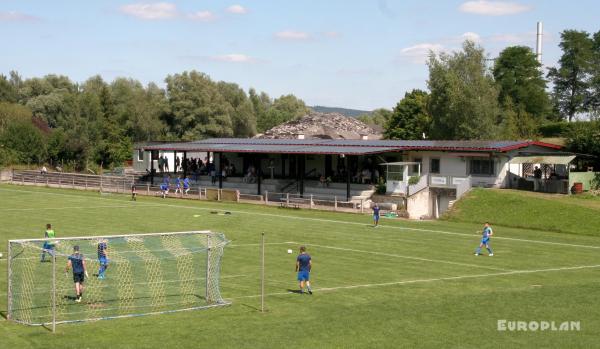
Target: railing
463 187
123 185
312 201
74 180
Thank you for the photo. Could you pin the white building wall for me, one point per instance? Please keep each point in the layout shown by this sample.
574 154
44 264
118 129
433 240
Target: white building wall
419 205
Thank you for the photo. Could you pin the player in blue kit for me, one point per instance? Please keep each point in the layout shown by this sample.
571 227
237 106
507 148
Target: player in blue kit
102 257
303 267
485 239
375 215
164 188
77 262
186 185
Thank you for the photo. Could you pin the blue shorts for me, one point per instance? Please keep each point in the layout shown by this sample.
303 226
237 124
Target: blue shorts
103 261
376 217
303 275
485 241
48 245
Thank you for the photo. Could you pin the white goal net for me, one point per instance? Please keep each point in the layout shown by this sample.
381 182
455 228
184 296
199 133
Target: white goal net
128 275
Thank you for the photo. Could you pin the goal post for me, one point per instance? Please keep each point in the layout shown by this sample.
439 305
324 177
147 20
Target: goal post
145 274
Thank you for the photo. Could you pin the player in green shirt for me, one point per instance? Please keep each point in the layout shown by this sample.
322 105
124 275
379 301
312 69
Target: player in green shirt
48 245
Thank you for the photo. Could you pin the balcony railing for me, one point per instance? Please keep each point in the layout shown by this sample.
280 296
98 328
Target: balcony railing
441 181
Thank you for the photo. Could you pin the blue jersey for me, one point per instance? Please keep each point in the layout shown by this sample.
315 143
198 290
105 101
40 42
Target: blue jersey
102 247
186 183
487 231
376 211
303 262
77 263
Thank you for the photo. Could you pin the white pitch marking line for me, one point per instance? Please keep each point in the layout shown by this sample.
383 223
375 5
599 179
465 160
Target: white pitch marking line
407 257
321 220
449 278
266 243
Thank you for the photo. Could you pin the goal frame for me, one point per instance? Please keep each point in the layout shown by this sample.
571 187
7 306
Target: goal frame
54 322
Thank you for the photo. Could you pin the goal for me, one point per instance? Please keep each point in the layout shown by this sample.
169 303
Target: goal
146 274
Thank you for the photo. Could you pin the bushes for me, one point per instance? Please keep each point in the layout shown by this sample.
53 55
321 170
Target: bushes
555 129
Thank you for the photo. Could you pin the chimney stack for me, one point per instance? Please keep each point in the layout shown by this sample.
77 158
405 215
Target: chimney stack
538 46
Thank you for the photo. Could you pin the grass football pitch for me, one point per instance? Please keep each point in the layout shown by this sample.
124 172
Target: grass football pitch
403 285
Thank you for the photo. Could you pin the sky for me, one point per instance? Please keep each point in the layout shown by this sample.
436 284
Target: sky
362 54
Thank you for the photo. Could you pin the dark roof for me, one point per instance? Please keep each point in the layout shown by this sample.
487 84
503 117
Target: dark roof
339 146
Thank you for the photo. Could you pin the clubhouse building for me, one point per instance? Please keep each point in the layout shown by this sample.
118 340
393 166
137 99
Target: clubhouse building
428 176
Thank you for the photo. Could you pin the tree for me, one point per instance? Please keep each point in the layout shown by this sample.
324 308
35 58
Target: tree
410 118
571 78
283 109
464 98
8 93
261 103
516 122
25 141
197 109
379 117
584 138
243 117
593 102
11 112
519 76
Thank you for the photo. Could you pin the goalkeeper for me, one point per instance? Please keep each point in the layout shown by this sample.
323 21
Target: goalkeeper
102 257
77 262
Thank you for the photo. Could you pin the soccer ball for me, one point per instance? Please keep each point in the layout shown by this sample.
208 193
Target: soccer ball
0 254
289 252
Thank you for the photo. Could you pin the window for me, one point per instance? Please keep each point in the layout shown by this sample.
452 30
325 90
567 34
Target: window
140 154
415 168
484 167
435 166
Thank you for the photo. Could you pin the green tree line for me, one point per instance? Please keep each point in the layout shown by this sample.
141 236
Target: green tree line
471 96
55 120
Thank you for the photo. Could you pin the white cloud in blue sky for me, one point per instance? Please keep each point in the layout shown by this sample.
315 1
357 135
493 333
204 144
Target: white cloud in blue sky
152 11
493 8
358 54
237 9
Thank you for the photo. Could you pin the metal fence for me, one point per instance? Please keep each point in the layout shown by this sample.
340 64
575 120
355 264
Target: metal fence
124 185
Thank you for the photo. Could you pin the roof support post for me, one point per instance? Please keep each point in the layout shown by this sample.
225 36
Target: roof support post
347 164
184 164
258 174
152 167
175 162
302 165
219 169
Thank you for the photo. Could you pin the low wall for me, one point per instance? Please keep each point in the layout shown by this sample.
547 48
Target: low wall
5 175
582 177
418 205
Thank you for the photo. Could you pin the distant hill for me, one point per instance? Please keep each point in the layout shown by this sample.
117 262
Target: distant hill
344 111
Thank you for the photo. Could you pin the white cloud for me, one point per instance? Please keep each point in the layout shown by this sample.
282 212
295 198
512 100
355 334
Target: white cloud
234 58
14 16
471 36
419 53
150 11
237 9
493 8
202 16
292 35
